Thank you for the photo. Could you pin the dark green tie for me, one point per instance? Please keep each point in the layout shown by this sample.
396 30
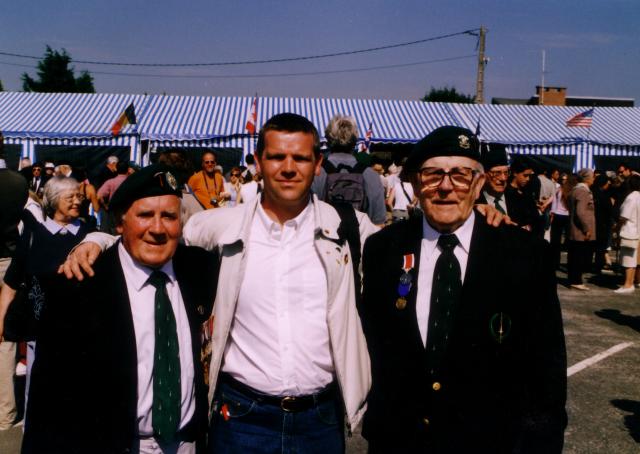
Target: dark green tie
497 204
165 412
445 295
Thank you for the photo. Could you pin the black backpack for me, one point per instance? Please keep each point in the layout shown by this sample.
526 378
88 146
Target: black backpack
345 184
349 231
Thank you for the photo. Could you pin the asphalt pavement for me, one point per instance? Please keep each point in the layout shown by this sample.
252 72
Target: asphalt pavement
602 332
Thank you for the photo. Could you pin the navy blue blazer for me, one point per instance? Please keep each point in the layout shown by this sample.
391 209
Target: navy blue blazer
503 388
83 395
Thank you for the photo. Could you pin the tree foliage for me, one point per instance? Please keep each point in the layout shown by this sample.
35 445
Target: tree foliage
447 94
56 76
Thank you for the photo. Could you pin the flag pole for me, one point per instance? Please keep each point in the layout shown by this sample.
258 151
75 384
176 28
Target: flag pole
593 116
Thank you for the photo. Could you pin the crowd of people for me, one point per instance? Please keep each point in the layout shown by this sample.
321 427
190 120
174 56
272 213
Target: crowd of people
263 308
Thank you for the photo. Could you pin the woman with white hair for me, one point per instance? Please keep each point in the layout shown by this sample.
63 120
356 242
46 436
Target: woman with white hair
41 249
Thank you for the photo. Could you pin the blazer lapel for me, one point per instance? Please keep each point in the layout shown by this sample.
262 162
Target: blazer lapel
411 243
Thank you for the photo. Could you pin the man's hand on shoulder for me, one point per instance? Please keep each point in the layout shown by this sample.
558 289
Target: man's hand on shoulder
80 261
493 216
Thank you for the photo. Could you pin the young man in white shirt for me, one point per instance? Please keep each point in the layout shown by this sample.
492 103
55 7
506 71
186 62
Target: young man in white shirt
289 357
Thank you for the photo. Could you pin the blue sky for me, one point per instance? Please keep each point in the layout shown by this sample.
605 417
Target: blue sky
592 46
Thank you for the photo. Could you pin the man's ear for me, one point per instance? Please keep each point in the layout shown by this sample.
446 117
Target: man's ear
319 158
119 220
256 160
479 185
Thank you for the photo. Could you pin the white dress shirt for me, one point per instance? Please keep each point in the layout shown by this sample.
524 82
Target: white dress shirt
142 297
279 340
429 253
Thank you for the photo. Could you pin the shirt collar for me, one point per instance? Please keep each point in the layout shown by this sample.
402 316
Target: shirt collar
430 235
137 274
53 227
271 225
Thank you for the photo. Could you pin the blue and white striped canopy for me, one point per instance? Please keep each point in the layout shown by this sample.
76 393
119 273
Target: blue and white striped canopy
193 118
533 125
85 119
64 118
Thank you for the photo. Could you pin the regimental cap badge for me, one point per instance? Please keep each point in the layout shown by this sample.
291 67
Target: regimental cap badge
463 141
171 180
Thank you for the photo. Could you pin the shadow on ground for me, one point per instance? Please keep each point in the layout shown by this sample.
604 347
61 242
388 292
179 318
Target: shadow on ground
632 421
610 281
632 321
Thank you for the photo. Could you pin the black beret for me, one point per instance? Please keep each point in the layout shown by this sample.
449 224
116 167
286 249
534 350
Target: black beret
444 141
152 181
493 155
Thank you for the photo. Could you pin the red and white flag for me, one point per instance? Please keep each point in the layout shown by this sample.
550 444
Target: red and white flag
364 146
252 117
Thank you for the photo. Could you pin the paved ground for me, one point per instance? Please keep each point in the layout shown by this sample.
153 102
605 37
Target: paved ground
604 398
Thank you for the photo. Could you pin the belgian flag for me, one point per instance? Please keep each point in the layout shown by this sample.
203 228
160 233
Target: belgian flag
128 117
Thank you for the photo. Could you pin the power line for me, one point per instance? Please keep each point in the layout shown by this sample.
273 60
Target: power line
268 75
472 32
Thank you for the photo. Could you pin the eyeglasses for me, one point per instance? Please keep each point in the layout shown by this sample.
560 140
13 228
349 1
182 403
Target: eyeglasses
235 174
498 173
37 169
461 177
209 162
70 198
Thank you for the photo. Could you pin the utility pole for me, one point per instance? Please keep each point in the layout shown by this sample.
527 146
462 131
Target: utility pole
482 62
544 58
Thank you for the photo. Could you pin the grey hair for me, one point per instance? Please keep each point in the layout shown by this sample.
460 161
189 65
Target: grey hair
112 160
53 190
584 174
341 133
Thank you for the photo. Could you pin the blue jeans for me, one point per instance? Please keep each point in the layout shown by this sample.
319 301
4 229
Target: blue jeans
254 427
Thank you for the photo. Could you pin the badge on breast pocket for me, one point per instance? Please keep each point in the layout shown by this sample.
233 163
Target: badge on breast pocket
500 326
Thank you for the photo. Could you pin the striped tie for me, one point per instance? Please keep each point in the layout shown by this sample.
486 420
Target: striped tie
165 413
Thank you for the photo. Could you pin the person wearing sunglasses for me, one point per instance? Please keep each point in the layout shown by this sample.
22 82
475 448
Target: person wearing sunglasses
207 184
462 320
233 187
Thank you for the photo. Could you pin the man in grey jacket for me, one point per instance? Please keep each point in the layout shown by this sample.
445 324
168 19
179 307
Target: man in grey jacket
582 232
342 134
288 353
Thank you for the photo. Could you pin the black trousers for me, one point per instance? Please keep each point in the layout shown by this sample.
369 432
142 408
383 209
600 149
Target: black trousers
579 260
559 228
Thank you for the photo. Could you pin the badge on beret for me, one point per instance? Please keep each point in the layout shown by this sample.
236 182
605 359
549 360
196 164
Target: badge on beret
500 326
171 180
463 141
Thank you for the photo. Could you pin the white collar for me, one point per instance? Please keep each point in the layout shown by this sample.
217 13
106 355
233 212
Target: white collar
138 274
431 235
53 227
269 224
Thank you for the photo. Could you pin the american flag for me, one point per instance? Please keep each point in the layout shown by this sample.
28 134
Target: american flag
252 117
367 138
581 120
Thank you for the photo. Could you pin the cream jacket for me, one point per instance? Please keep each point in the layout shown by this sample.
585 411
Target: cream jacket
228 230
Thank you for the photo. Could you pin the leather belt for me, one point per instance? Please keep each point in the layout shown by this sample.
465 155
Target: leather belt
292 404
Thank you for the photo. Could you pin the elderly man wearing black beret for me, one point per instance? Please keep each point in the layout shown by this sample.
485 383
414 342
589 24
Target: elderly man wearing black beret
135 333
462 321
